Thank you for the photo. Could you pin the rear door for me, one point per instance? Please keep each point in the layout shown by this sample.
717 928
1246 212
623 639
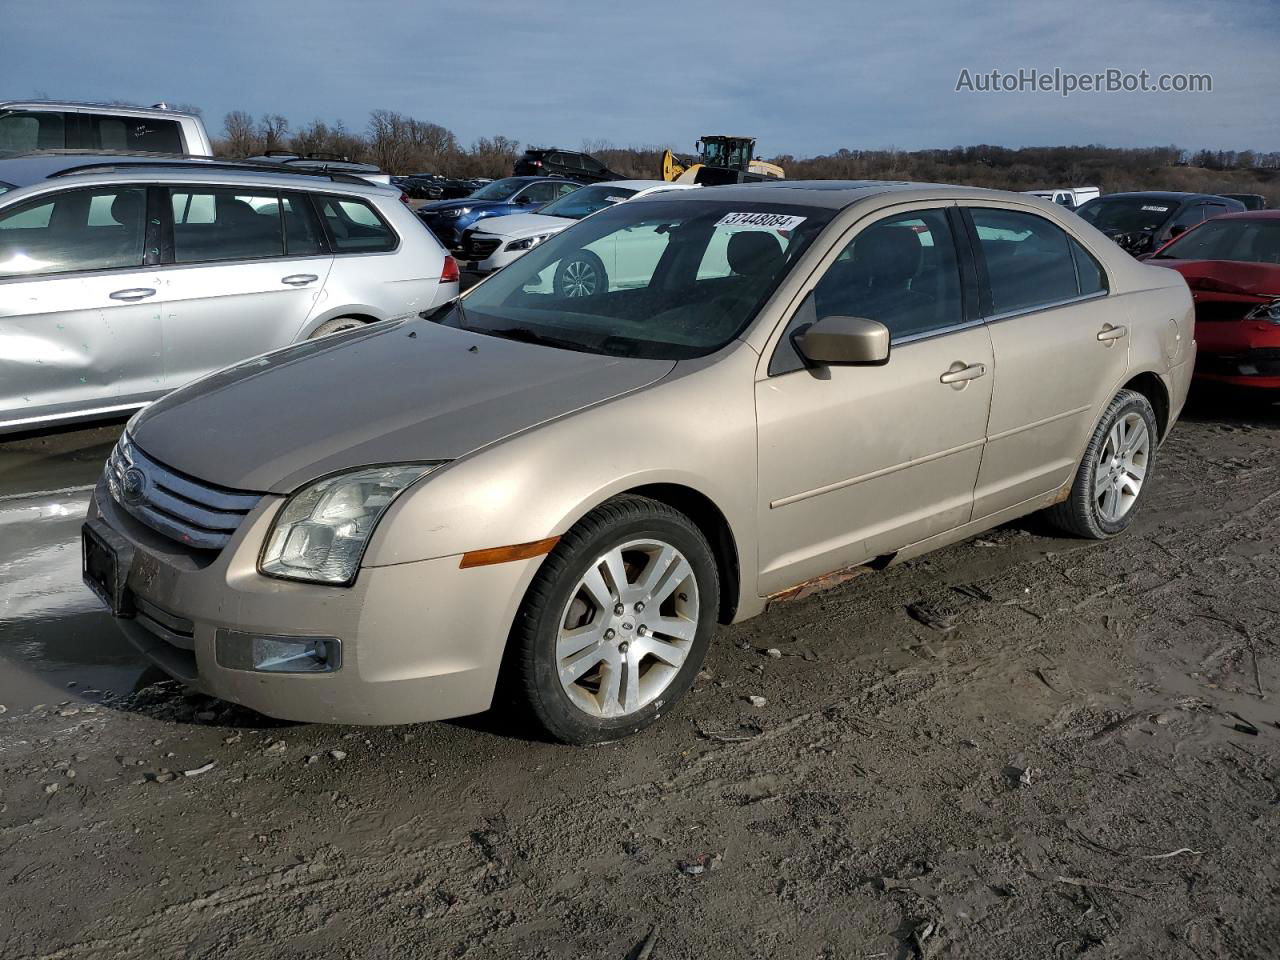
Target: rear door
79 304
1061 352
247 266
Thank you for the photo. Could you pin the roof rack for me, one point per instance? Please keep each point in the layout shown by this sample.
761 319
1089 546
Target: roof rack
199 163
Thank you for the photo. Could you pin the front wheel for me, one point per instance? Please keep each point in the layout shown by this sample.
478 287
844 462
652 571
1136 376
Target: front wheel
1115 471
616 623
581 274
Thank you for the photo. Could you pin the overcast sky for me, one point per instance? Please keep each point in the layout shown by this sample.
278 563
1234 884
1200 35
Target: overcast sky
803 76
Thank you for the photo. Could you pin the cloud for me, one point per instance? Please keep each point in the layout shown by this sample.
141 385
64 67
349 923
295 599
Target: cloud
804 78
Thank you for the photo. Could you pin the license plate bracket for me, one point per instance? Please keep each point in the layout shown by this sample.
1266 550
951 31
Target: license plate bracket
106 558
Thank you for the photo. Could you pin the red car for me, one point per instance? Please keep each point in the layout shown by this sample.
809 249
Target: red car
1232 264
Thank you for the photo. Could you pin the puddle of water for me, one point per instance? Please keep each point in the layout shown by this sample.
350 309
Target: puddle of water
53 631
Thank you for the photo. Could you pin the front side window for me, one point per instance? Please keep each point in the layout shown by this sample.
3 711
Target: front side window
901 271
354 226
545 192
225 223
98 229
1243 240
631 280
1029 260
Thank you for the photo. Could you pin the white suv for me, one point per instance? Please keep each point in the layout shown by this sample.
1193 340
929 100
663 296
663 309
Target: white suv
124 278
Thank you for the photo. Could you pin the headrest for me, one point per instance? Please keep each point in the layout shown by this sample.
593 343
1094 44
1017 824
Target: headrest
753 253
888 254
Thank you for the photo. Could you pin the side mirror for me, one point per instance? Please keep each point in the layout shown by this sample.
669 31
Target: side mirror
844 340
525 200
1177 230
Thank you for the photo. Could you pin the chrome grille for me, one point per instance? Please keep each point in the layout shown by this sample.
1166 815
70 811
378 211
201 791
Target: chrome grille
192 513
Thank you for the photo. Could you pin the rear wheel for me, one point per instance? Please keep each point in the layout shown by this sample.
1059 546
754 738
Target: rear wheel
1115 471
336 325
616 623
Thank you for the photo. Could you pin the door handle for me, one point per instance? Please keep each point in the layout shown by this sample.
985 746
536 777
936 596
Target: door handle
959 374
299 279
133 293
1108 333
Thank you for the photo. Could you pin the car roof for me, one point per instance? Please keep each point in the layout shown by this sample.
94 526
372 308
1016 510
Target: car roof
32 169
1171 195
117 109
633 184
1249 215
834 194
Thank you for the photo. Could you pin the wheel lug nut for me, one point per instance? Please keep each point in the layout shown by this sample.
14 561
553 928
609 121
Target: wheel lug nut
622 647
643 630
618 609
609 634
640 607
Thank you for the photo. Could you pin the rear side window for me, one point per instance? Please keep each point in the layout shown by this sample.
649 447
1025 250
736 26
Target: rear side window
223 223
99 229
26 130
1092 278
132 134
1029 260
355 227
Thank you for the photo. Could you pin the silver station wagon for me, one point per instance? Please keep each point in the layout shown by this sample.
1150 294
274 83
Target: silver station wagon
557 493
122 278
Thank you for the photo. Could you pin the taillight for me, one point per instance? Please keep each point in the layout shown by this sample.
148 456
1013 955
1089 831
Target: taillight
450 272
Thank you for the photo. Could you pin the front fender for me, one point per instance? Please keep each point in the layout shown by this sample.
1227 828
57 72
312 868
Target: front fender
539 483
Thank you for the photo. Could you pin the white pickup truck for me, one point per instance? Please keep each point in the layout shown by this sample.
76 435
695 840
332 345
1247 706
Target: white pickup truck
27 126
1069 197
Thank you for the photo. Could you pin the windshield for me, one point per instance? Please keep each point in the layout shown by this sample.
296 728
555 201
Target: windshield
499 189
584 202
661 279
1246 241
1127 214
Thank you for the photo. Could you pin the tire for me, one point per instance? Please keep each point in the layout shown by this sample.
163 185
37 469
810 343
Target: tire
1107 492
572 662
581 274
336 325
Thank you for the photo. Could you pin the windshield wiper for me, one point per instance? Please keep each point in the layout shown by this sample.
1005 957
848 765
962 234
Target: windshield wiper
525 335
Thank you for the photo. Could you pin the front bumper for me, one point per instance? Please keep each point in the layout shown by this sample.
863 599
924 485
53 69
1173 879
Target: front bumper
485 253
420 641
1243 352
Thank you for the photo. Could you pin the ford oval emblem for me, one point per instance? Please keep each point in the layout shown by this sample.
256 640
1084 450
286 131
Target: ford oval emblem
133 485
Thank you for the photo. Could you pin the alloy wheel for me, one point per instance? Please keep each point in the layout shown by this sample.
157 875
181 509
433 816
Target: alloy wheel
627 628
580 279
1122 467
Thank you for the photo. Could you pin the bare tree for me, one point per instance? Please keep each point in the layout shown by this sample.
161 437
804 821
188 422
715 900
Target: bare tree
272 130
241 139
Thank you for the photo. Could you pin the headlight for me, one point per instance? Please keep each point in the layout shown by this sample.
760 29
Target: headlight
321 533
528 243
1266 312
456 212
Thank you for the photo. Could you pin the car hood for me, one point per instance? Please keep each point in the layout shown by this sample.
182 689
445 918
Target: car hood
398 391
441 205
1227 276
524 225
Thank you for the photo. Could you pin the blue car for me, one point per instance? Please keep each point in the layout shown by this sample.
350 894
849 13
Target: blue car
449 218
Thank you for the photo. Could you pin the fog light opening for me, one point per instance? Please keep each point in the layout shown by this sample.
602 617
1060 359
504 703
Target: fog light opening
268 654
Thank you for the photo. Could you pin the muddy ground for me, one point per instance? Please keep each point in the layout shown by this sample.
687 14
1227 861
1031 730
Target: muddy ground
1079 758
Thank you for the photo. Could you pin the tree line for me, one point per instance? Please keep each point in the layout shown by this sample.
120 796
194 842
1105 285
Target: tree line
401 144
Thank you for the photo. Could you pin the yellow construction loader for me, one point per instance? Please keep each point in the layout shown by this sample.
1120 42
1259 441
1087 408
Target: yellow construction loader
720 160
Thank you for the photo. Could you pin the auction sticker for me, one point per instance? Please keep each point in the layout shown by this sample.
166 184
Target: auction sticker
1152 208
761 221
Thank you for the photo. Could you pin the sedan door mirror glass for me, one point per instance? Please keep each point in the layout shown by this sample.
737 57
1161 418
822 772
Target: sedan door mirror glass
838 339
